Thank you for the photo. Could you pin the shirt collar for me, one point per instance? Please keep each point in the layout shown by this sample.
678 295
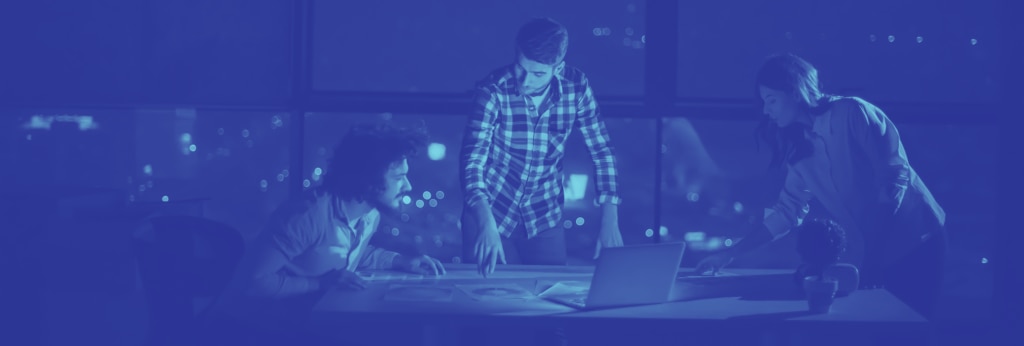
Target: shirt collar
556 88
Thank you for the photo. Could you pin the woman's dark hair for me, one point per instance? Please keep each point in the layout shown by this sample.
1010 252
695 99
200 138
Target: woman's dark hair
820 242
799 79
363 156
543 40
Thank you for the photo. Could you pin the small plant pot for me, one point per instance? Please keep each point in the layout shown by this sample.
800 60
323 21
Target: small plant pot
820 293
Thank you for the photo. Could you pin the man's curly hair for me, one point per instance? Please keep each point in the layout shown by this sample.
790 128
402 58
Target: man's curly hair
364 155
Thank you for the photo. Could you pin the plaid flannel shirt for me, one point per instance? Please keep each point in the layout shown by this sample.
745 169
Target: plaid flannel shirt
512 151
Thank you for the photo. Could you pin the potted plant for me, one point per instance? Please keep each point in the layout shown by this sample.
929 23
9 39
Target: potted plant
819 243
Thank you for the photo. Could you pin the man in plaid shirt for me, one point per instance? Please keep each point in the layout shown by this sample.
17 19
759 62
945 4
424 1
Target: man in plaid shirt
512 155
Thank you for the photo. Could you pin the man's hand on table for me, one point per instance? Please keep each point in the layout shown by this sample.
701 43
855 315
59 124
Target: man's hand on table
488 249
342 279
422 264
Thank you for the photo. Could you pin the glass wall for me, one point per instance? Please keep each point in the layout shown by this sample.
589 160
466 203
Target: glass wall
903 51
446 46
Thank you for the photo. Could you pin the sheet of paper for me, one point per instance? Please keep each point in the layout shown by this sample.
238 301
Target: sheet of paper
566 288
496 292
419 293
385 276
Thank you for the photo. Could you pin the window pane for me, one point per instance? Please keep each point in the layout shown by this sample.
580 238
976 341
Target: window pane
230 166
716 184
132 52
239 160
446 46
428 221
904 51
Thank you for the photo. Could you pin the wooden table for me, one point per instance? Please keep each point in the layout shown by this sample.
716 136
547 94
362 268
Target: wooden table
750 303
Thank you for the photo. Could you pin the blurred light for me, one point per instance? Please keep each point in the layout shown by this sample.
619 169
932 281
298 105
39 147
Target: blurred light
728 242
406 199
248 143
631 8
694 236
872 37
606 31
439 194
649 233
147 170
186 137
192 148
220 131
419 203
165 198
636 45
394 231
629 31
149 183
577 188
643 38
245 133
432 203
663 231
436 151
306 183
920 39
627 42
974 41
714 244
405 217
418 239
693 196
567 224
317 171
28 137
263 183
280 177
984 260
892 38
131 198
597 31
276 122
142 188
738 207
664 148
286 173
579 221
426 194
322 151
456 260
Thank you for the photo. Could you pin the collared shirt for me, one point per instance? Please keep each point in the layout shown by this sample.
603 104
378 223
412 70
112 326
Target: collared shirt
513 149
859 170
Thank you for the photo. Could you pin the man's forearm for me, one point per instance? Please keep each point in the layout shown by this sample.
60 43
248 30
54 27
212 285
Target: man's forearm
609 214
482 214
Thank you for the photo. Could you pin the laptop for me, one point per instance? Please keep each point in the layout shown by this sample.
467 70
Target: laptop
630 275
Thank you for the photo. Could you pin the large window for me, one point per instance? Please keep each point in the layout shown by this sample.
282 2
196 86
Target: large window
446 46
903 51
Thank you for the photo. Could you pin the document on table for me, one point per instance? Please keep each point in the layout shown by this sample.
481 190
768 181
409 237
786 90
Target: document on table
496 292
419 293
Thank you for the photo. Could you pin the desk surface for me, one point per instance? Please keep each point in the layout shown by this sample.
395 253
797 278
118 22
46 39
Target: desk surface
743 295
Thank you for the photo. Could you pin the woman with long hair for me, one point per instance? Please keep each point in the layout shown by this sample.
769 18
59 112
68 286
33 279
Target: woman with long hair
846 153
